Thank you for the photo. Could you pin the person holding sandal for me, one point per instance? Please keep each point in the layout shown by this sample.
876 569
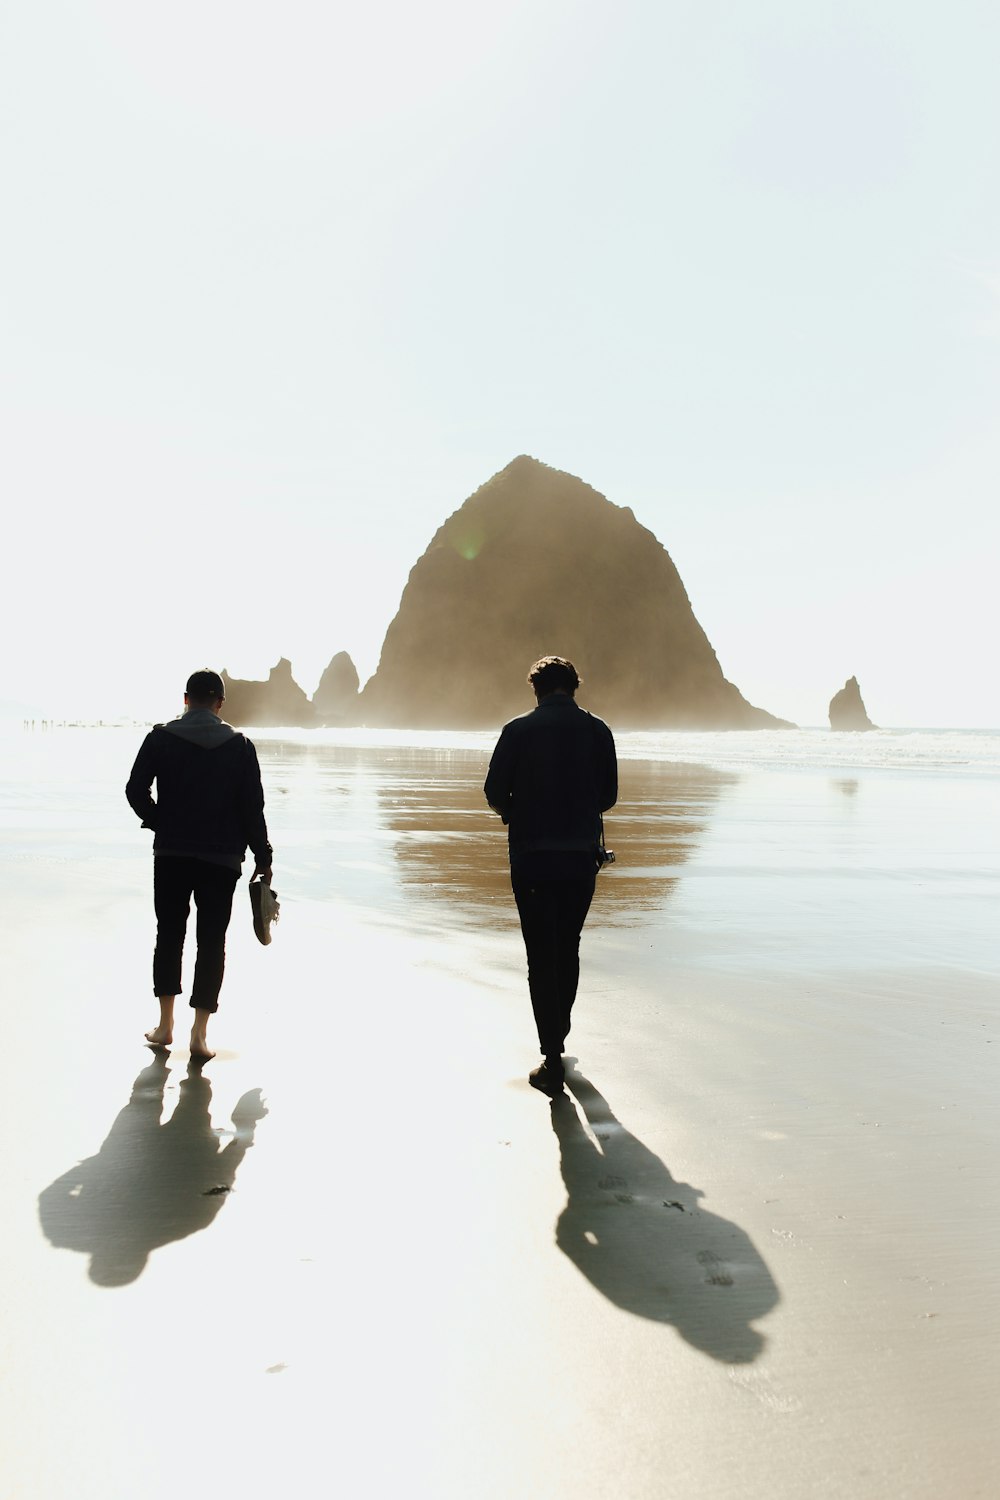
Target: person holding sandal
209 807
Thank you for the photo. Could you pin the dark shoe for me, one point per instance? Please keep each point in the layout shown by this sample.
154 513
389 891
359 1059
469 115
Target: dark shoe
549 1076
265 908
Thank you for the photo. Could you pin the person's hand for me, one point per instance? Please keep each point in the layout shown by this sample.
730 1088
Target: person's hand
264 871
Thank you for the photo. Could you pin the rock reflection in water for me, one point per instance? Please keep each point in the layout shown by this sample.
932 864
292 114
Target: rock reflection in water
336 808
380 825
448 844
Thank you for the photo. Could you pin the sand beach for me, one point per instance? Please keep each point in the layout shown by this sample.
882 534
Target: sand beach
753 1252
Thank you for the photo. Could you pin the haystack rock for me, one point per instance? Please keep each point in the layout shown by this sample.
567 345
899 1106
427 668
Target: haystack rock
278 701
535 563
847 710
335 701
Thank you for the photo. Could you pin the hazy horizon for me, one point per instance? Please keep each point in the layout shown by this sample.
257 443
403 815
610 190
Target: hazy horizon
288 286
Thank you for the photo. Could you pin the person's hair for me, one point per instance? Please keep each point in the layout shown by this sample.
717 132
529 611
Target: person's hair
553 674
205 686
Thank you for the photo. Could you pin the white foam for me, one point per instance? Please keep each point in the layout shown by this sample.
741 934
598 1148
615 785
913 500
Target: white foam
961 752
968 752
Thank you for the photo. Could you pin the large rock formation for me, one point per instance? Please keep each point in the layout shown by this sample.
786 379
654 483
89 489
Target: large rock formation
537 562
335 701
278 701
847 710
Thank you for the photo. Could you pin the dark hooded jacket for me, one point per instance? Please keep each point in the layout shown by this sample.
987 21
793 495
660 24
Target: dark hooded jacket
209 799
553 773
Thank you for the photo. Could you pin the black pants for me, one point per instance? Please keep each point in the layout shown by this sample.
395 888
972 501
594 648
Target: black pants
552 915
176 878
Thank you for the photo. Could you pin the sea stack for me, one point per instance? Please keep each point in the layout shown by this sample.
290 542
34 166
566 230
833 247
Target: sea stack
847 710
537 562
335 701
278 701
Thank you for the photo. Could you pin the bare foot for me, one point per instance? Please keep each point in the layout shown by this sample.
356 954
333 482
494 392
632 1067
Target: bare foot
163 1035
200 1050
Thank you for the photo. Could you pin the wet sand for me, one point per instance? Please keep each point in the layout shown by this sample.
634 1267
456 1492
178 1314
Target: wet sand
751 1253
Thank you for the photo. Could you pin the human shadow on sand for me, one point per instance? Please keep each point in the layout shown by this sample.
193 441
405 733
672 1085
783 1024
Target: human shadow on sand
642 1240
150 1183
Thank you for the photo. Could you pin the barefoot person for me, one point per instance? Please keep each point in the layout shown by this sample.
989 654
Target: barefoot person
209 806
554 772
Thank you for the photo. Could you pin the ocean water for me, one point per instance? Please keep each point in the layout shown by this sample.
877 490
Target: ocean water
954 751
764 852
949 752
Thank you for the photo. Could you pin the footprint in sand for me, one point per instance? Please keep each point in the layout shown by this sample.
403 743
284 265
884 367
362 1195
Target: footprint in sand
715 1272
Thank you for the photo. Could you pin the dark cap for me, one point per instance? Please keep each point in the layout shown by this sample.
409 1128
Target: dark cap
205 686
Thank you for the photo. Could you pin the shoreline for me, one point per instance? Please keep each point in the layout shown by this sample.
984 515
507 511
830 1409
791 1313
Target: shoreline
751 1255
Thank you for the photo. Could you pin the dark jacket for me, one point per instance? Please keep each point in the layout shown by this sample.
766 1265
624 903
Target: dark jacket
554 772
209 800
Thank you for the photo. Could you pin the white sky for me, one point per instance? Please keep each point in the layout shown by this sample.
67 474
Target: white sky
284 283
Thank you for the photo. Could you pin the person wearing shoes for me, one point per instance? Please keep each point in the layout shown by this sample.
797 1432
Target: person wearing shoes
553 773
209 807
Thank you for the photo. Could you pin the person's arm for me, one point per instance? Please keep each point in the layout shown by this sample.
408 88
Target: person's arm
255 827
138 785
608 782
499 778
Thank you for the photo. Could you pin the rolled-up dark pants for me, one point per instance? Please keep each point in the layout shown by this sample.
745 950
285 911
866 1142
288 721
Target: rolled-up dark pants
176 878
552 915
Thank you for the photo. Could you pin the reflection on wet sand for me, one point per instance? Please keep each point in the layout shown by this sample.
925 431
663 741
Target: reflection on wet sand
642 1240
149 1183
343 807
336 812
846 784
449 845
447 842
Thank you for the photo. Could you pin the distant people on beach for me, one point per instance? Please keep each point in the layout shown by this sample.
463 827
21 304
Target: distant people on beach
209 807
553 773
